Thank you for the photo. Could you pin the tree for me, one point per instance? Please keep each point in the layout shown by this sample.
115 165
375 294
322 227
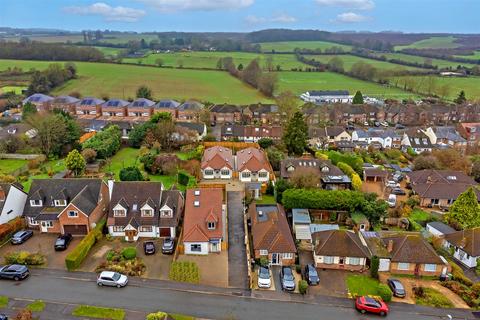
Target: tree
52 133
281 186
287 104
28 109
461 99
138 133
358 98
252 73
144 92
296 134
464 211
131 174
75 162
374 209
267 84
305 178
159 62
275 157
425 162
89 155
335 65
476 170
374 265
265 143
453 160
71 69
106 142
356 182
220 64
240 67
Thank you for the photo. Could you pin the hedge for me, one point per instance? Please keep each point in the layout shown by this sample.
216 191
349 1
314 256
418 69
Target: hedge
384 292
75 258
323 199
129 253
9 228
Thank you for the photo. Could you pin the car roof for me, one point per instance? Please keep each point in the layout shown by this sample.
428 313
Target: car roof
15 267
107 274
371 300
19 233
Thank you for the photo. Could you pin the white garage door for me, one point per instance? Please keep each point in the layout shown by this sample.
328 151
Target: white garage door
384 265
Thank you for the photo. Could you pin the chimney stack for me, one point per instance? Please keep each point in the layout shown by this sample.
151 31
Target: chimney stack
390 246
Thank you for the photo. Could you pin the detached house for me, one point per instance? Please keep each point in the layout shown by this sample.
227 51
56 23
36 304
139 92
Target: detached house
39 100
465 245
322 137
251 133
225 113
89 107
446 137
217 163
65 103
115 108
66 205
190 111
143 210
253 166
12 201
204 225
271 234
140 107
417 140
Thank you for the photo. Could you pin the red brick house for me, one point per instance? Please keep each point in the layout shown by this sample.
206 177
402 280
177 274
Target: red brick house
66 205
140 107
115 108
89 107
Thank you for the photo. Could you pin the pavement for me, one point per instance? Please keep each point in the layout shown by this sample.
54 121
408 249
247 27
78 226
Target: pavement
142 295
237 255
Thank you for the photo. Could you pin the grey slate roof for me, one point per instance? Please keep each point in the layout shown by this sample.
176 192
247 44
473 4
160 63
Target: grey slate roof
442 227
90 101
191 106
115 103
200 128
225 108
37 98
142 103
65 100
167 104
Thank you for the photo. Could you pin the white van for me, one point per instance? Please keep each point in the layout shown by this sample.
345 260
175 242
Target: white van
392 200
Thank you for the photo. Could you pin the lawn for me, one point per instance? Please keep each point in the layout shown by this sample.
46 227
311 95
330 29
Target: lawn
419 215
16 89
266 199
475 55
126 157
204 59
349 61
184 271
36 306
109 52
434 298
3 301
99 312
299 82
289 46
418 59
122 81
7 166
362 285
432 43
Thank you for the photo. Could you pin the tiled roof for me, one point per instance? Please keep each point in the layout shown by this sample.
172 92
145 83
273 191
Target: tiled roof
343 243
217 158
468 240
302 163
167 104
252 159
115 103
90 101
200 128
225 108
37 98
65 100
141 103
412 249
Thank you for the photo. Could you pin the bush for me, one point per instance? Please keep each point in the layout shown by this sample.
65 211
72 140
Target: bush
89 155
302 286
263 261
384 292
24 314
130 174
458 275
298 268
323 199
374 264
183 178
24 257
9 228
129 253
157 316
264 143
74 259
184 271
106 142
34 163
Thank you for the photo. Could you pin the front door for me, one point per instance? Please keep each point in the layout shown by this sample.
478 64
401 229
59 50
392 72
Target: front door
45 225
130 234
275 258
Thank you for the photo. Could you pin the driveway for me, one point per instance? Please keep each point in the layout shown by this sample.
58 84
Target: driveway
237 255
332 283
213 268
43 243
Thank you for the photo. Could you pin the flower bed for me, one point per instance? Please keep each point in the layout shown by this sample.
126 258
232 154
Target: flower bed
25 257
123 261
431 297
184 271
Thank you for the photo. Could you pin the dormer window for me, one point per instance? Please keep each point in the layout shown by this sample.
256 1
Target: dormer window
166 214
211 225
325 169
290 168
147 213
196 203
119 213
60 203
36 203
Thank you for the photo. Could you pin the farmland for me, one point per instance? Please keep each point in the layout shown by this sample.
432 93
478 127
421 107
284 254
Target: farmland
204 59
289 46
109 52
16 89
114 80
476 55
299 82
418 59
432 43
349 61
114 38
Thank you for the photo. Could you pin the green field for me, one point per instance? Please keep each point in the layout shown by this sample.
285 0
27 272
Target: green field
476 55
299 82
204 59
109 52
7 166
349 61
432 43
289 46
16 89
114 80
115 38
418 59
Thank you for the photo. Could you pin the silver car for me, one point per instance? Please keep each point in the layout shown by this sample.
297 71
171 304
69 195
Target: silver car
112 279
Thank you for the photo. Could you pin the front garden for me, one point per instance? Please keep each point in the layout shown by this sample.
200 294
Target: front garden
124 261
431 297
99 312
362 285
184 271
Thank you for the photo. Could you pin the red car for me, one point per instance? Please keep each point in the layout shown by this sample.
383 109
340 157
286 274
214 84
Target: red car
372 305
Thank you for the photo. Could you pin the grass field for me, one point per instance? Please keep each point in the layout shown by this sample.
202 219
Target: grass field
299 82
418 59
7 166
205 59
122 81
359 285
349 61
432 43
114 38
16 89
289 46
476 55
109 52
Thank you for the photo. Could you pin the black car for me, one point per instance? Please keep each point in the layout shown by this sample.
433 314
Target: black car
63 241
399 126
21 236
398 191
311 275
149 247
287 279
3 316
397 288
168 246
14 271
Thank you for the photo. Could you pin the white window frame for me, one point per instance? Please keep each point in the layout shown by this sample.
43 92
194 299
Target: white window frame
430 267
32 221
263 252
145 229
47 224
33 203
166 213
354 261
147 213
262 174
404 266
119 213
246 174
208 172
72 216
118 228
196 245
211 225
60 203
287 255
328 260
225 172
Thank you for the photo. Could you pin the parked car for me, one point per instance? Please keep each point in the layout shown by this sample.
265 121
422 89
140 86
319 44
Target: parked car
392 184
397 288
371 305
168 246
287 280
366 124
392 200
398 191
376 124
14 272
149 247
384 123
397 177
21 236
264 280
399 126
63 241
112 279
311 275
3 316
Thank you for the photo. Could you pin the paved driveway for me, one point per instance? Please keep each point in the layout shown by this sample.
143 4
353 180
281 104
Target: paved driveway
237 256
43 243
332 283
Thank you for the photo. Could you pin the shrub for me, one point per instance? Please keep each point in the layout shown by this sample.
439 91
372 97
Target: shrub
183 178
89 155
374 264
34 163
184 271
24 257
130 174
264 143
302 286
458 275
129 253
110 255
384 292
9 228
157 316
298 268
323 199
24 314
263 261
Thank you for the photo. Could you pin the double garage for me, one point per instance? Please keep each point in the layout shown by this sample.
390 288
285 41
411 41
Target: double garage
75 229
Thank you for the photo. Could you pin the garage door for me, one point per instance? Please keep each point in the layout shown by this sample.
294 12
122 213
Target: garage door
165 232
75 229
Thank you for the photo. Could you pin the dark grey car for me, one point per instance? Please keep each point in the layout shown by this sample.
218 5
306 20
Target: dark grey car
14 272
397 288
287 280
21 236
311 275
168 246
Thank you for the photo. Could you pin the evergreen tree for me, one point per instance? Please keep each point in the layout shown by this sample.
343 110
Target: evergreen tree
358 98
296 134
461 99
144 92
28 109
75 162
465 211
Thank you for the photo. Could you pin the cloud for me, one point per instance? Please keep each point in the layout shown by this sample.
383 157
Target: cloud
108 12
350 17
279 18
351 4
197 5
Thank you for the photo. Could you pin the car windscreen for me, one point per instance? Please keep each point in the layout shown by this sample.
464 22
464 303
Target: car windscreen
287 275
116 276
264 273
60 242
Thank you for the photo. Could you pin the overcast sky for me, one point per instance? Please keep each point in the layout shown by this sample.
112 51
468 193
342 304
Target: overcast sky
456 16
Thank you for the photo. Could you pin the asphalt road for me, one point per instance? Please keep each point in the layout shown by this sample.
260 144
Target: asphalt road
149 296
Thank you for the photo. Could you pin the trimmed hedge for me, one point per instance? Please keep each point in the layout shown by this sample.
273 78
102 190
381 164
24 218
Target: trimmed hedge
129 253
9 228
384 292
75 258
323 199
24 257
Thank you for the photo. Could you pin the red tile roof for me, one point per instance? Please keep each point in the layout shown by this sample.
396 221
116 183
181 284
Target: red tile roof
217 158
252 159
